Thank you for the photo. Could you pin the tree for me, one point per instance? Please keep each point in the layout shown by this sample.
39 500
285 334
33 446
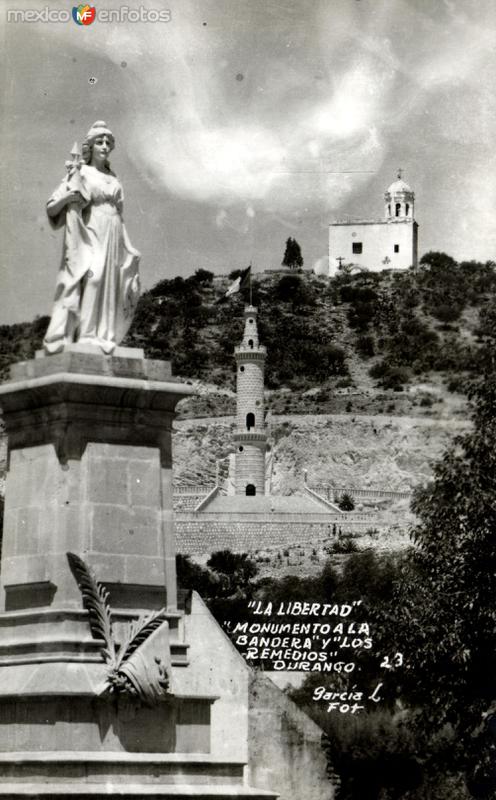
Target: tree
1 521
288 288
438 261
237 569
292 255
447 312
444 614
203 276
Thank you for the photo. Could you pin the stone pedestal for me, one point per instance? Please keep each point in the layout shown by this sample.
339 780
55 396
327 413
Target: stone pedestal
90 472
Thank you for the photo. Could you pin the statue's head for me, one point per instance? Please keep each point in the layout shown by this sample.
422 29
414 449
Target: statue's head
99 128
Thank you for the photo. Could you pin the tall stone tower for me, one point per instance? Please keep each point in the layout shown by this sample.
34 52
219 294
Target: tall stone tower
250 437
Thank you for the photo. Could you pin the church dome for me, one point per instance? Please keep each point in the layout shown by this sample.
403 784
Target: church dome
399 200
399 186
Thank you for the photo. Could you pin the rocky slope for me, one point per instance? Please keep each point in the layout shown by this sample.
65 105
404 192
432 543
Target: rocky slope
361 451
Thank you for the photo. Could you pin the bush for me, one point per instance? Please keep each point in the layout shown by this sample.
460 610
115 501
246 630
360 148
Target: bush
289 288
439 262
447 312
345 544
357 294
346 502
1 522
365 346
456 384
203 276
390 377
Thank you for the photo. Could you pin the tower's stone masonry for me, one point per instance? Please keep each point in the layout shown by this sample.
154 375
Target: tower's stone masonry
250 438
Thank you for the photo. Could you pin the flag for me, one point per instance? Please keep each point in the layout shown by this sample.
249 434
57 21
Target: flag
241 282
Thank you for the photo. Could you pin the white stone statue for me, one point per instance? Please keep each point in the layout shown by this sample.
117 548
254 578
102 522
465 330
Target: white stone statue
98 283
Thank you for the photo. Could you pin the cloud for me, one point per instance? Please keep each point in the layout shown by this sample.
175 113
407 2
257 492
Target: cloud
220 219
300 115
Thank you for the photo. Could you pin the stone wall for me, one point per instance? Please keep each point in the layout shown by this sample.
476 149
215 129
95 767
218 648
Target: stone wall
284 746
252 720
186 498
332 493
210 531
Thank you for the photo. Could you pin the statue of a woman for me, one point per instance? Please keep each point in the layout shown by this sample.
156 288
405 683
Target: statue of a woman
98 284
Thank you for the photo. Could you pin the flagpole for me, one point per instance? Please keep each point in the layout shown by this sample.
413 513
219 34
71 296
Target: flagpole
251 294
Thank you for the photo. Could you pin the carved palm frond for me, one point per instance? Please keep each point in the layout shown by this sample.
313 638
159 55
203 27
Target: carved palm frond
138 632
95 601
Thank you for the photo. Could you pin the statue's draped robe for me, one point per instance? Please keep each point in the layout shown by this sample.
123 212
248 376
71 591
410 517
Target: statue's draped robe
98 283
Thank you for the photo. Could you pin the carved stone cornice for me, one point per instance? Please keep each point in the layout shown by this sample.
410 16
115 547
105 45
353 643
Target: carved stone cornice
69 410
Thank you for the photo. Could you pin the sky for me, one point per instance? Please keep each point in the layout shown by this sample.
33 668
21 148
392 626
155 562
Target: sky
239 124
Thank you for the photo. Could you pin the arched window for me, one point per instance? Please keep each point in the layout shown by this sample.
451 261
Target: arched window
398 209
407 209
250 421
250 343
251 490
389 209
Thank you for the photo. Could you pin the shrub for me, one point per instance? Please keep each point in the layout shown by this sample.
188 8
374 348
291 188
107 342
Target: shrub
447 312
344 383
345 544
389 377
203 276
456 384
379 370
365 346
346 502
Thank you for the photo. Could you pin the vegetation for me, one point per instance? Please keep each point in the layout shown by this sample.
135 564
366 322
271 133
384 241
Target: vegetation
346 502
434 734
405 324
292 255
447 622
180 319
20 341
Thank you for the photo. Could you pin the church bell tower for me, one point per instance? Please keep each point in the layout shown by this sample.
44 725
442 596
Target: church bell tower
250 438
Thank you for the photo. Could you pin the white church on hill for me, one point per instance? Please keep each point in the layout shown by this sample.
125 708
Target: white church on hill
389 243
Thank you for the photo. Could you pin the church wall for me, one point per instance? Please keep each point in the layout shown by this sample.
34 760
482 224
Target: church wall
378 240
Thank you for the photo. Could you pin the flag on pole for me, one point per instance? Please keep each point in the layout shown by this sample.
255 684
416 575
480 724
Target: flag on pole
242 281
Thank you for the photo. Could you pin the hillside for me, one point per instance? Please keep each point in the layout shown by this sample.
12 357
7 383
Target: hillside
366 373
367 452
363 343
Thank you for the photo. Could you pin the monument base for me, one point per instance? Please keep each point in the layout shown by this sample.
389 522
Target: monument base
90 474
